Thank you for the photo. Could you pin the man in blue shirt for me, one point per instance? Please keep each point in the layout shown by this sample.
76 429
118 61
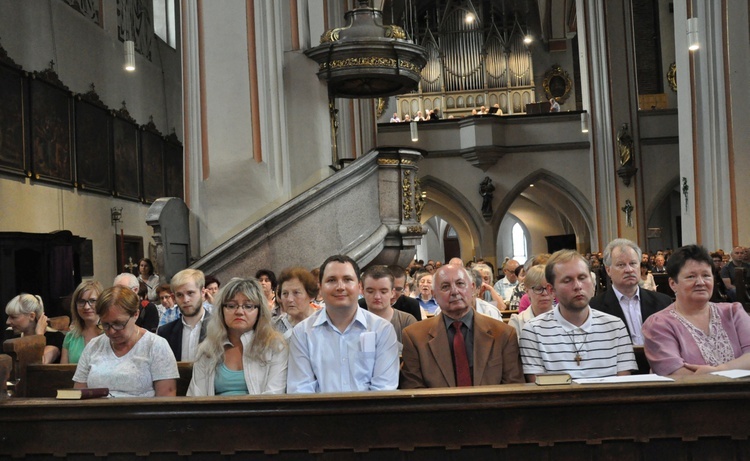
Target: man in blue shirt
342 347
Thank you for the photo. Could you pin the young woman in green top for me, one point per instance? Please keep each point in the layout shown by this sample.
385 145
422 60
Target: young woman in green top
83 320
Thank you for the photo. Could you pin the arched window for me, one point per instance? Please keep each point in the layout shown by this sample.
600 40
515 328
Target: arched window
519 244
164 21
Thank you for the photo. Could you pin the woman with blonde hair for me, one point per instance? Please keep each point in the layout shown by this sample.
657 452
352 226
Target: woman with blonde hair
540 297
242 353
26 318
83 320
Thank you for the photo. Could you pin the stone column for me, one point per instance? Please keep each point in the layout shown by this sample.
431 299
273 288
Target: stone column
400 204
614 102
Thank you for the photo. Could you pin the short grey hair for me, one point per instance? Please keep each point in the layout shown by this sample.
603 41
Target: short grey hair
619 243
127 279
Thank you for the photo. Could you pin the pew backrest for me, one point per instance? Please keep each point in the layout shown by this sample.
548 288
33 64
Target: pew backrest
45 380
6 368
24 351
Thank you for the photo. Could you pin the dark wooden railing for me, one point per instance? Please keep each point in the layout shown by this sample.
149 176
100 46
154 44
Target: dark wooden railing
694 418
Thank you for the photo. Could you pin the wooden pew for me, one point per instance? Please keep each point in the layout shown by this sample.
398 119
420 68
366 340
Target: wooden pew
60 323
24 351
741 287
38 380
697 418
6 368
45 380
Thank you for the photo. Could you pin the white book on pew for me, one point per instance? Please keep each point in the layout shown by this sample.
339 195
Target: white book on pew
652 378
734 374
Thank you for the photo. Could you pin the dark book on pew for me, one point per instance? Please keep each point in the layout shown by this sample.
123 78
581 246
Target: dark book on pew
553 379
81 394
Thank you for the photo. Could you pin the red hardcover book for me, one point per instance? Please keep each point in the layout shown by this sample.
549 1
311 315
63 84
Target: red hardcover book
81 394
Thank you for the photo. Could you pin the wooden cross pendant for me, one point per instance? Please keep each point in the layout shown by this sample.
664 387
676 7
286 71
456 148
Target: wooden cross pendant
578 359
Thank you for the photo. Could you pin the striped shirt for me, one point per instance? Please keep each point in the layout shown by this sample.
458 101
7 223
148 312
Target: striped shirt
550 344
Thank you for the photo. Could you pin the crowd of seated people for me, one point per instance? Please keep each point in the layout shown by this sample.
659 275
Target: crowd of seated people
431 324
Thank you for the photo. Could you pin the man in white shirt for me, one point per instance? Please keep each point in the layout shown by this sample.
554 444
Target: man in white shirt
624 298
341 347
507 284
573 338
185 333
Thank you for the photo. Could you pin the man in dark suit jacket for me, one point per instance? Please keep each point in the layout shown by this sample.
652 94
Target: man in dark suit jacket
622 259
172 332
187 286
489 346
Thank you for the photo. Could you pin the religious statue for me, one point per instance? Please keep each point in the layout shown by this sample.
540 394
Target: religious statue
625 145
628 209
486 190
685 191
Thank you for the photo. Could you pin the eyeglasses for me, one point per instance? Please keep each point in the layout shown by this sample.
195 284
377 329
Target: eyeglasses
539 290
114 326
233 307
83 302
398 289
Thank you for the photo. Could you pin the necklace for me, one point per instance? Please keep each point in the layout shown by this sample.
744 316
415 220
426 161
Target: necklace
577 349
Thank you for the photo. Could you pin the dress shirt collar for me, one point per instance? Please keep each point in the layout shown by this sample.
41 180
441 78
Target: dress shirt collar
467 320
619 296
322 319
203 316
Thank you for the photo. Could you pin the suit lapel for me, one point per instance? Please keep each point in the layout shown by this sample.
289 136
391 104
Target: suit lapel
483 341
441 352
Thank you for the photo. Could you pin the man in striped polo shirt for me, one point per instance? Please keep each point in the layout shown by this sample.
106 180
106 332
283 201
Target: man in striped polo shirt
573 338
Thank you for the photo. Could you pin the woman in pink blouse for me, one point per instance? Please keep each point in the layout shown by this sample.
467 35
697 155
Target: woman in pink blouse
693 335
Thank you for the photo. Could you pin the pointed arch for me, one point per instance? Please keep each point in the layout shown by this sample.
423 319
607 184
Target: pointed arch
446 201
659 197
566 189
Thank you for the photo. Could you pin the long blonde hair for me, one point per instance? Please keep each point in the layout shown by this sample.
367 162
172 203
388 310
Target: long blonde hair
266 340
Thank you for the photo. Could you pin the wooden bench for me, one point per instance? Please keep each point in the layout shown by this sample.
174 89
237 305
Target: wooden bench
24 351
38 380
6 368
699 418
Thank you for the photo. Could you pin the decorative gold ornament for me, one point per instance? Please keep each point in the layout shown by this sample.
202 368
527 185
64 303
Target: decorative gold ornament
395 32
371 61
414 230
420 199
387 161
557 84
382 102
672 77
406 193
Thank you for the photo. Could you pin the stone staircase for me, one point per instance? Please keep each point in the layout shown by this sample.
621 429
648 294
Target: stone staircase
369 210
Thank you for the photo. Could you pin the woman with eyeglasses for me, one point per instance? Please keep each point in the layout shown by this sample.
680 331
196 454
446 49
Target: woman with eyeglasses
83 320
242 353
694 335
26 318
540 296
127 359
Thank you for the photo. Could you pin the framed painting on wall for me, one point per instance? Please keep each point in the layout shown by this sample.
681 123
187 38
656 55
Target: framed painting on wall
173 176
51 123
93 161
125 157
129 251
152 161
14 155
